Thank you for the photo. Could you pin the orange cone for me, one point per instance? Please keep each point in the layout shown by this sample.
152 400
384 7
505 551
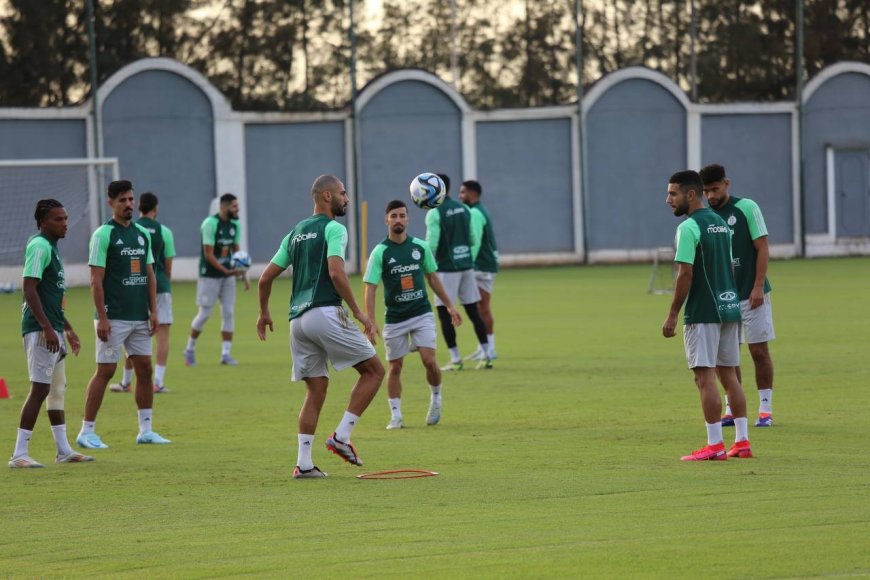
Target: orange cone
4 392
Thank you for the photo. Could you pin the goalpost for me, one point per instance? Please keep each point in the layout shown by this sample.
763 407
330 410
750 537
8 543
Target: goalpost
77 183
664 271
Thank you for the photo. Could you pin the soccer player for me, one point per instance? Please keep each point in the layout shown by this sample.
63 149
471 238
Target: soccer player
403 263
485 254
217 278
751 255
43 324
450 237
124 290
705 283
163 250
320 328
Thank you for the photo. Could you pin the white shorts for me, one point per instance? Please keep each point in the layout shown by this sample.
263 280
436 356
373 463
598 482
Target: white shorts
484 281
461 285
133 335
326 334
757 322
43 366
712 344
164 308
410 335
210 290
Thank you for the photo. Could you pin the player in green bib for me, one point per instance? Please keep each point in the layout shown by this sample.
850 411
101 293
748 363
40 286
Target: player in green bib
451 238
221 234
43 324
751 256
705 284
163 250
124 290
405 264
320 328
485 254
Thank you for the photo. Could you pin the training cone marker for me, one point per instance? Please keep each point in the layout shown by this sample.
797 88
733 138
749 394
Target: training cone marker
4 391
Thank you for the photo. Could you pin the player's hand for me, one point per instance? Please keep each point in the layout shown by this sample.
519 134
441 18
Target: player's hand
52 340
263 321
74 343
756 298
244 277
669 328
104 329
455 318
152 324
370 327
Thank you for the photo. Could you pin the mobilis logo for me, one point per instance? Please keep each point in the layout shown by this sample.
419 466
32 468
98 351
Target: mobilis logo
302 237
403 269
716 229
133 252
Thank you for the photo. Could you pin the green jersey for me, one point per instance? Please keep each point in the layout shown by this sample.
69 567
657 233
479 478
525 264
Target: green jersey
485 252
402 268
162 247
449 235
744 218
42 261
306 248
124 253
704 241
223 236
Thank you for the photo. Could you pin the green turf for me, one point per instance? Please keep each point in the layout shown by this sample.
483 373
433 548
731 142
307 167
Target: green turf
561 461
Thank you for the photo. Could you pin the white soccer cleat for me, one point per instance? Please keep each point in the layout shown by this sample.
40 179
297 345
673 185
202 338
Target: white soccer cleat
395 423
313 473
73 457
434 415
476 355
151 438
24 462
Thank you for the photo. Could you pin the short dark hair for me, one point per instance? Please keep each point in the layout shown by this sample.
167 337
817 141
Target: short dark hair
395 204
473 186
227 198
43 206
446 181
116 188
147 202
688 179
712 173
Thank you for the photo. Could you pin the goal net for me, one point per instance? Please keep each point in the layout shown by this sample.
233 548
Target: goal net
79 184
664 271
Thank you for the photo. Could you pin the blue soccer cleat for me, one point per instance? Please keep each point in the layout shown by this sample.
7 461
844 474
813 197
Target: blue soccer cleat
151 438
90 441
764 420
727 421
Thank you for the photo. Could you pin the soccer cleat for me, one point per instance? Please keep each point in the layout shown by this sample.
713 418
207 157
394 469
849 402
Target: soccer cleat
741 449
312 473
454 366
228 360
714 452
485 363
119 388
90 441
160 388
344 450
24 462
151 438
476 355
727 421
434 414
189 357
395 423
73 457
764 420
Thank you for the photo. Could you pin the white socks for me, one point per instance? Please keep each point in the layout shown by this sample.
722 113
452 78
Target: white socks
714 432
225 347
727 406
455 357
303 458
87 427
60 440
144 421
490 340
159 373
191 343
765 399
741 429
348 422
395 407
128 376
436 392
22 443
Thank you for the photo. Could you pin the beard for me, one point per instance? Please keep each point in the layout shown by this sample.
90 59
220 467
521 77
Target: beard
339 209
397 228
681 209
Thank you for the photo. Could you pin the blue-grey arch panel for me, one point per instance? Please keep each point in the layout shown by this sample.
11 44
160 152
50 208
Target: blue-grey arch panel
281 163
837 114
406 129
756 153
160 127
636 135
45 139
525 166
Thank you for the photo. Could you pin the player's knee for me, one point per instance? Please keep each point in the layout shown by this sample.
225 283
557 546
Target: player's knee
201 318
55 399
227 319
759 352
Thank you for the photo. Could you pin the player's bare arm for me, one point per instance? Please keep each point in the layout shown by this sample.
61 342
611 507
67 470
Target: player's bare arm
104 328
438 288
762 259
152 298
208 252
342 286
370 292
681 290
264 291
72 338
31 297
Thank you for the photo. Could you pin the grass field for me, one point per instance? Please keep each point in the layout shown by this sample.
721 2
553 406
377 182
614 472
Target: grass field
562 461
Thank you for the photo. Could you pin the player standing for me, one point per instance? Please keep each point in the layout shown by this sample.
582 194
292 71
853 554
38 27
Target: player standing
705 283
124 291
405 264
320 329
751 256
43 323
